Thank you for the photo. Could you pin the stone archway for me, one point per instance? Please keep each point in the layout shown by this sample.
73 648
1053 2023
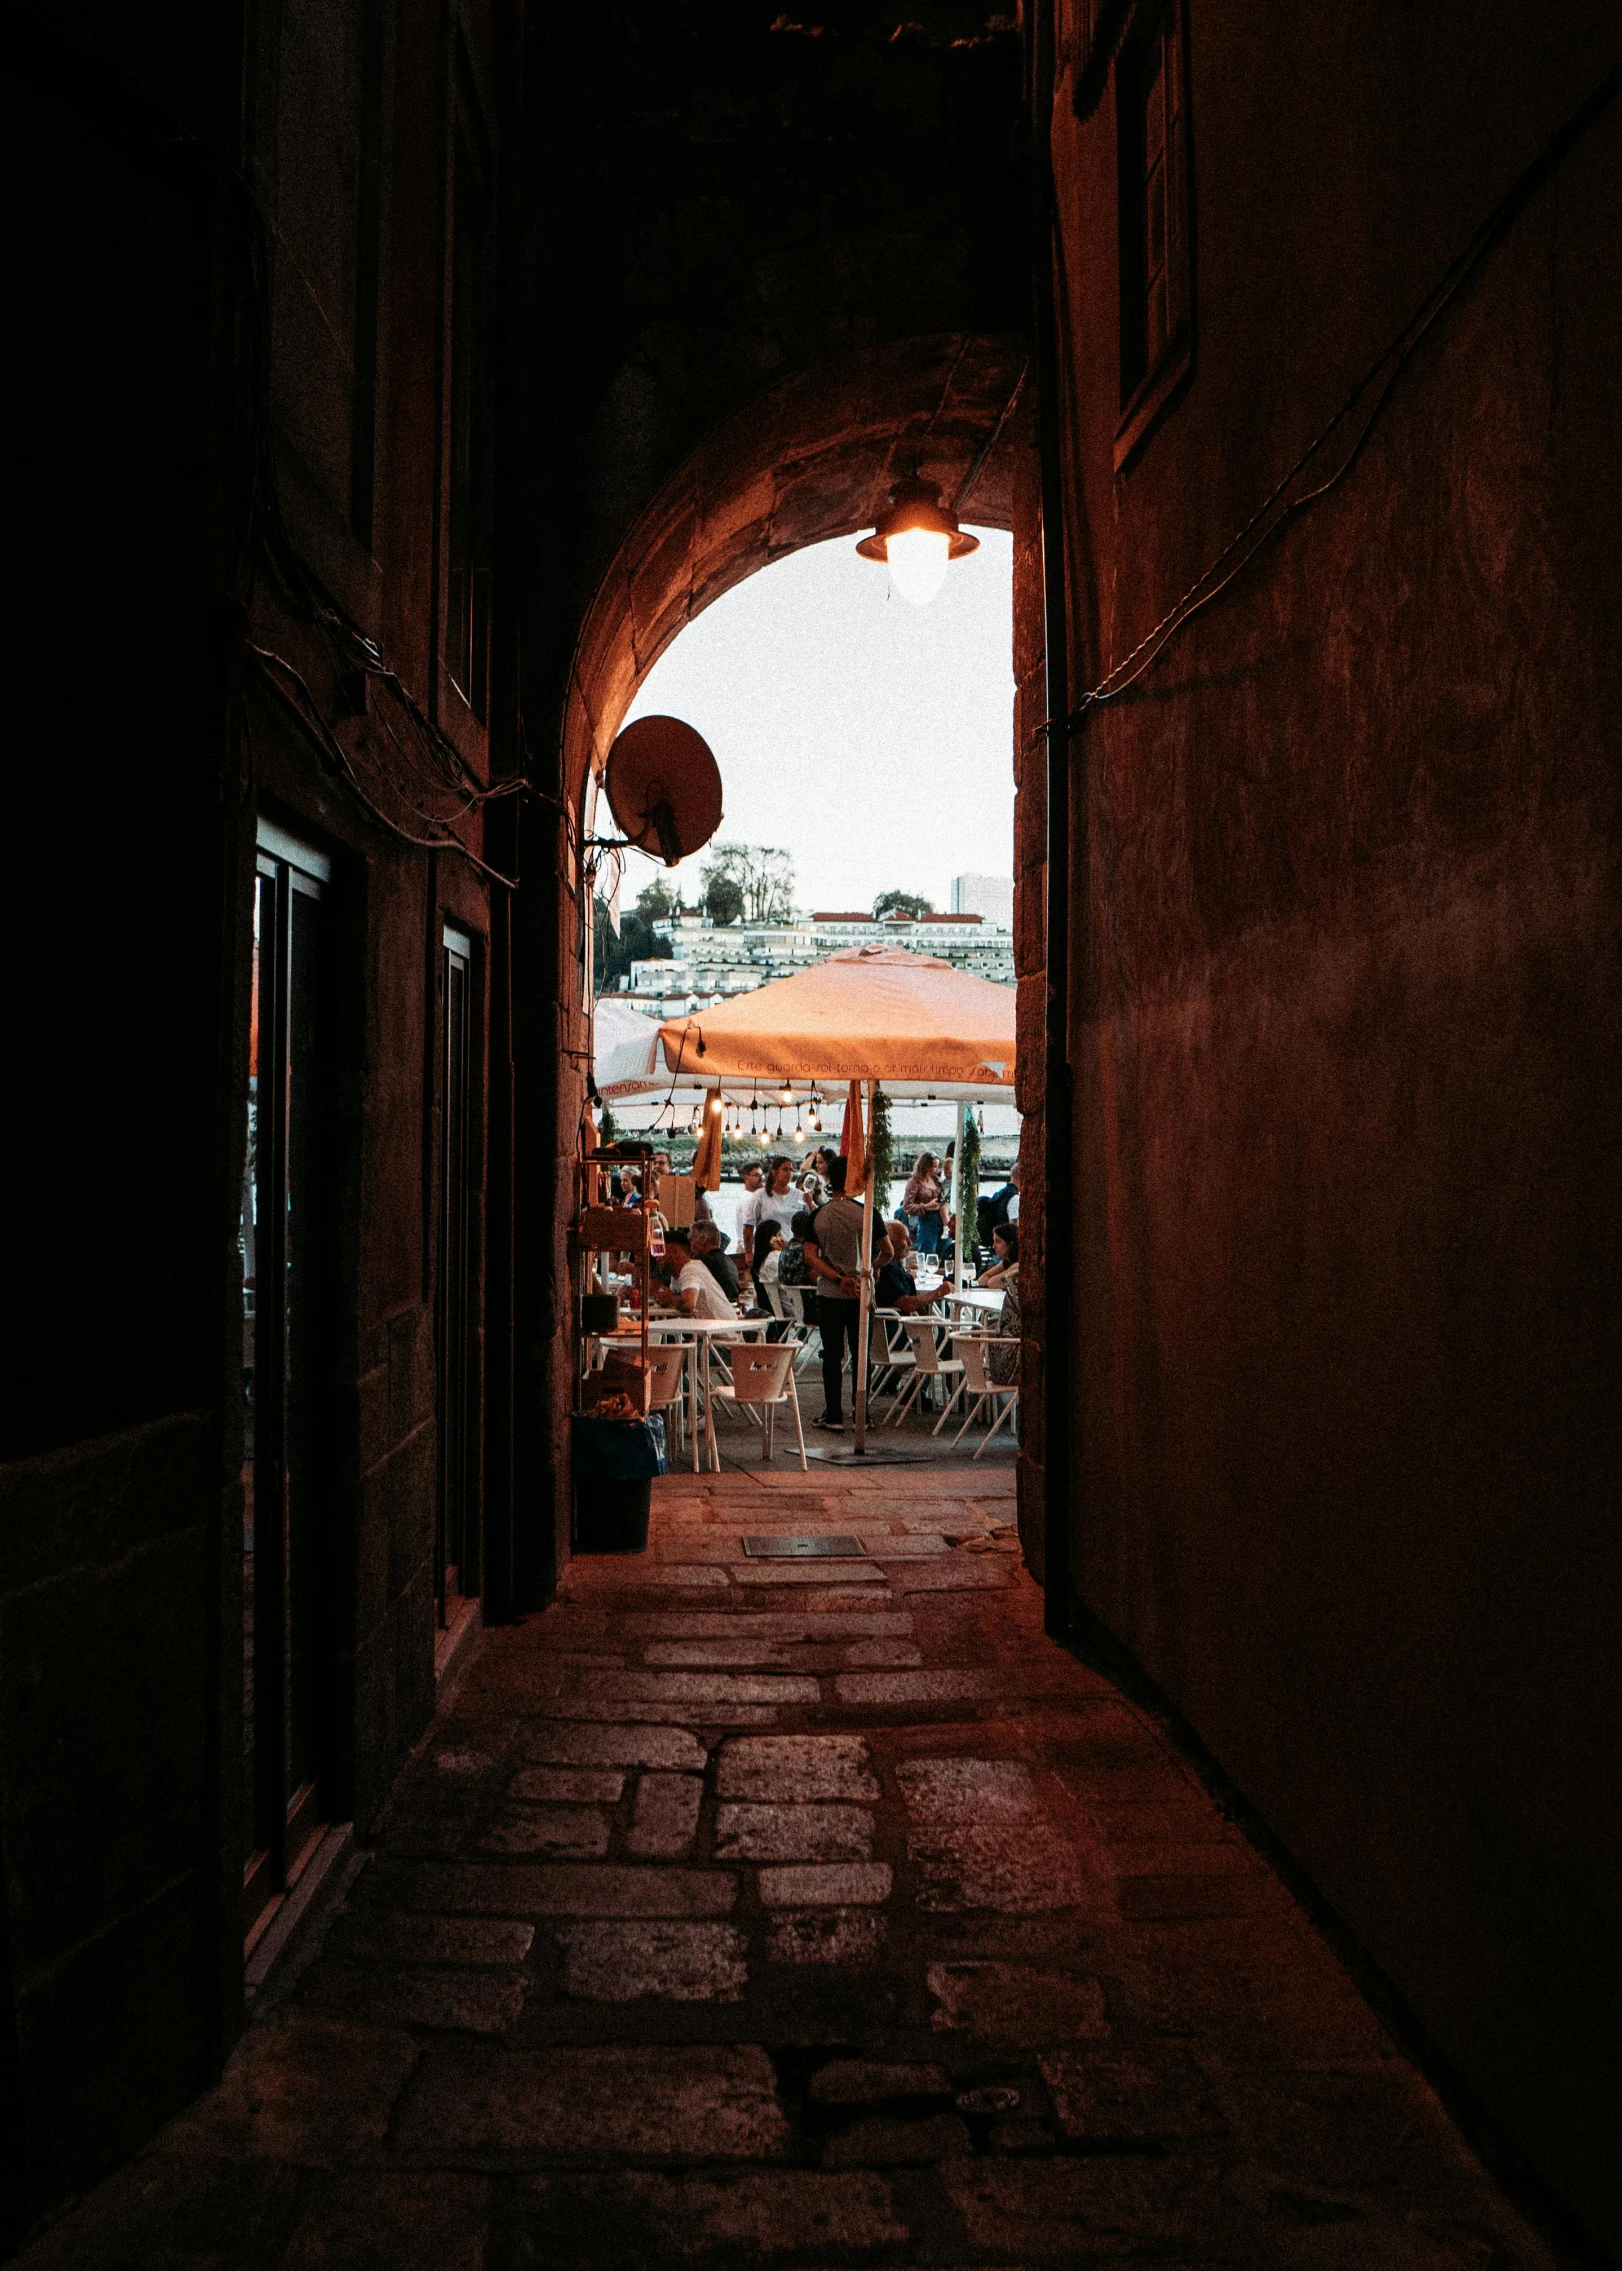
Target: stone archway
811 460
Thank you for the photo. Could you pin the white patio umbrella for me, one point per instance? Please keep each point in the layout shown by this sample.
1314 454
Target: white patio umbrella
628 1060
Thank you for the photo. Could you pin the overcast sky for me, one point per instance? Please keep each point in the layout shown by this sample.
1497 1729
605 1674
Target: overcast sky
872 739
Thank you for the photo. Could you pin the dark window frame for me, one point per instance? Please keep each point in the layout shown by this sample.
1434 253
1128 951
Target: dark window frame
1155 220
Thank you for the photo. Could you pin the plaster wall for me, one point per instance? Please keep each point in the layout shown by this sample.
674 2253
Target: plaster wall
1347 1034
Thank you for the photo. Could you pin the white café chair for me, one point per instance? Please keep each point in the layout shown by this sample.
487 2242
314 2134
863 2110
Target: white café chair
981 1387
667 1383
892 1359
799 1306
762 1376
780 1301
928 1364
785 1301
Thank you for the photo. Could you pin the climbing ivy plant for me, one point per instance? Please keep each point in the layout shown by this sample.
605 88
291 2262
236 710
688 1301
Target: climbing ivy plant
968 1187
883 1146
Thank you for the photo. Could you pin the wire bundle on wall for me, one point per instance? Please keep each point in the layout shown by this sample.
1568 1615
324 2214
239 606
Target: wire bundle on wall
430 768
1364 404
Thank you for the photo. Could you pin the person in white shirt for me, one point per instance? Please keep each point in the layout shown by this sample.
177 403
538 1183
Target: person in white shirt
778 1202
754 1177
693 1287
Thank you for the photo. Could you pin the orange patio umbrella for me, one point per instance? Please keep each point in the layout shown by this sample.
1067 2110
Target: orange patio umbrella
910 1022
707 1157
852 1142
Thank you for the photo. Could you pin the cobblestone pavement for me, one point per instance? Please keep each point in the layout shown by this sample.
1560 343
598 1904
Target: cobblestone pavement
807 1914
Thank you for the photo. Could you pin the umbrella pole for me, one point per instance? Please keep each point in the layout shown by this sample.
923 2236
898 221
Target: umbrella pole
865 1284
957 1198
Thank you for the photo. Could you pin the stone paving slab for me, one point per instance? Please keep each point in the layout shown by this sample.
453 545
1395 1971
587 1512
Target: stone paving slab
810 1917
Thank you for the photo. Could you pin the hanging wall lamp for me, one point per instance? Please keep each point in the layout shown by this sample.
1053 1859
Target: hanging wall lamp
916 536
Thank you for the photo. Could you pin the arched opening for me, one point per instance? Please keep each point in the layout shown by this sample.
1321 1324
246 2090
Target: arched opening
811 460
807 464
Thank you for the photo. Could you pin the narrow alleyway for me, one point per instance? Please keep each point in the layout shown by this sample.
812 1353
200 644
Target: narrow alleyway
817 1912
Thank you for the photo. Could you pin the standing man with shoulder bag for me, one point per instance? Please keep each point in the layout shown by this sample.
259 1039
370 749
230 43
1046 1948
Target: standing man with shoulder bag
834 1254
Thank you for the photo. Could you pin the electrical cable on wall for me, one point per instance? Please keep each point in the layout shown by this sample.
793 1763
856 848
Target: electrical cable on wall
1279 508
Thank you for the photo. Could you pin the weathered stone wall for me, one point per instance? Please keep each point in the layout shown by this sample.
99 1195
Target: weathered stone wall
157 379
1347 1116
107 1647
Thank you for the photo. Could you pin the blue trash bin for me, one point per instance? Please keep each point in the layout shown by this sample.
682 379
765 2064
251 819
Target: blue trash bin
615 1461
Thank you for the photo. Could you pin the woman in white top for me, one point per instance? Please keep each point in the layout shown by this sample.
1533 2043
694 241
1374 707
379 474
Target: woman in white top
777 1202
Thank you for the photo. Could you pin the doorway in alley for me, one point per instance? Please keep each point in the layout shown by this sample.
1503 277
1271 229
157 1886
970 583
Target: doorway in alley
456 1541
287 1254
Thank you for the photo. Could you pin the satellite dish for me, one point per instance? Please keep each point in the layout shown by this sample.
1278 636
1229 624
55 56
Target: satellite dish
664 788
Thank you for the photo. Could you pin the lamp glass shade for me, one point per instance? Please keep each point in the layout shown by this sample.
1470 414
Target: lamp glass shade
917 560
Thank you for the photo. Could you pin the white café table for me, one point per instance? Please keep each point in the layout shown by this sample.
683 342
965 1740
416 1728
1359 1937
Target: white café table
696 1333
975 1301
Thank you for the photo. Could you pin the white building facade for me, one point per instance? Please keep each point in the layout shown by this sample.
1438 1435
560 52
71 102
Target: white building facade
989 896
712 961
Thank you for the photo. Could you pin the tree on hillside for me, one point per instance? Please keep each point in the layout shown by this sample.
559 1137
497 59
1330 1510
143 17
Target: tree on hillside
754 881
638 941
905 903
723 897
657 902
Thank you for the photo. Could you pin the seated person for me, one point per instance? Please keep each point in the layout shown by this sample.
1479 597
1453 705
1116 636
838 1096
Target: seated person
1005 1245
693 1287
768 1253
1001 1207
893 1288
668 1268
792 1267
1002 1360
704 1241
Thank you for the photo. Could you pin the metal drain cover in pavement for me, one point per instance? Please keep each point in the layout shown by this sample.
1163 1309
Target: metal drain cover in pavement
803 1549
